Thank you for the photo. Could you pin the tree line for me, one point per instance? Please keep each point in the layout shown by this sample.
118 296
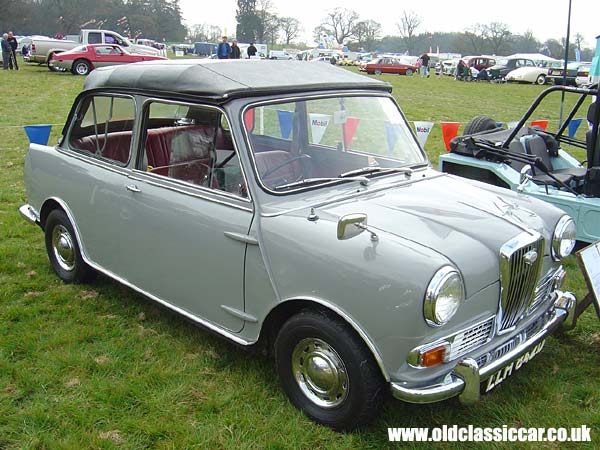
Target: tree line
257 21
156 19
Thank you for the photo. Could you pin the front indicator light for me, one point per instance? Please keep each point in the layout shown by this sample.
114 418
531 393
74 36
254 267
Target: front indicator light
433 357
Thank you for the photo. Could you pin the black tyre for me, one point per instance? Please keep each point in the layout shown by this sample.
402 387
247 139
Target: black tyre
409 72
81 67
377 72
63 250
480 123
541 79
327 371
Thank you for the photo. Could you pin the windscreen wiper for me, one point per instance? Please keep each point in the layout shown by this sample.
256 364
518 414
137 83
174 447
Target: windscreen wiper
362 180
376 169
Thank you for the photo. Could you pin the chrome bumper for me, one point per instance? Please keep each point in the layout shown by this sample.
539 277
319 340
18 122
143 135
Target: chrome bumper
30 214
466 377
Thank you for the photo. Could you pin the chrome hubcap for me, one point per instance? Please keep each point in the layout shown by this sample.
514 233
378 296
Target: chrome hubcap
64 250
81 69
320 372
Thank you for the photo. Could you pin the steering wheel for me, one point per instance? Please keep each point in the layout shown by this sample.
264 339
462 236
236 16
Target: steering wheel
285 163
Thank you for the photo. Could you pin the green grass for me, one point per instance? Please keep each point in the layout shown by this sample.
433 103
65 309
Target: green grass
98 366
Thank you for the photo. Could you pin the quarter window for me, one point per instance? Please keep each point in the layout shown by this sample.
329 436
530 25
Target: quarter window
190 143
103 128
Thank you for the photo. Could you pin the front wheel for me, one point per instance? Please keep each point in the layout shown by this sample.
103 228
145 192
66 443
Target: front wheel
81 67
63 250
377 72
327 371
409 72
541 79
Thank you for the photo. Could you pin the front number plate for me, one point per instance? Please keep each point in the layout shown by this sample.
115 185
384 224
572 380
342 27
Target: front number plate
505 372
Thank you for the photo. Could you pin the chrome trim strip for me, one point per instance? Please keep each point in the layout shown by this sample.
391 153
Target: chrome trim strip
461 380
203 322
239 314
191 194
245 238
29 213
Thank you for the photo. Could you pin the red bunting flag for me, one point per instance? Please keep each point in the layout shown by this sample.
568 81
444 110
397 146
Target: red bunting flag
543 124
349 129
449 131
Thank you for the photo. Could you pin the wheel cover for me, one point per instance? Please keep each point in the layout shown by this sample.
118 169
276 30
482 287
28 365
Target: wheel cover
320 373
63 248
81 68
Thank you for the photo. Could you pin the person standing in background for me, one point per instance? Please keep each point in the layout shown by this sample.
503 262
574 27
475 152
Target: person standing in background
251 50
12 40
6 53
224 49
236 52
425 65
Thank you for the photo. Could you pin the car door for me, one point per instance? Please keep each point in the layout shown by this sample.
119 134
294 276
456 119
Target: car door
189 214
108 55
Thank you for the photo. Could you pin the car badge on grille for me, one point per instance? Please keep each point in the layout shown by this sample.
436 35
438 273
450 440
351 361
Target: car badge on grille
530 257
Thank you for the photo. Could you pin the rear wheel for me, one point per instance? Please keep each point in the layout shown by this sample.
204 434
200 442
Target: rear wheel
81 67
478 124
541 79
377 72
327 371
63 250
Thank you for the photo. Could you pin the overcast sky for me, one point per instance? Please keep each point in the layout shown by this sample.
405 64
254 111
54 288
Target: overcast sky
546 19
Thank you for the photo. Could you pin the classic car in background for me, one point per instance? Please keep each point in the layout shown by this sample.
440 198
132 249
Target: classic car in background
534 162
531 74
583 75
505 65
289 206
389 64
85 58
556 74
480 62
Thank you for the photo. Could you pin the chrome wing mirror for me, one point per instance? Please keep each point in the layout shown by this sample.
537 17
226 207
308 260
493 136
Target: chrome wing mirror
525 176
352 225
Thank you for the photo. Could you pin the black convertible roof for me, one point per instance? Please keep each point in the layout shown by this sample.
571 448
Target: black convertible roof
230 78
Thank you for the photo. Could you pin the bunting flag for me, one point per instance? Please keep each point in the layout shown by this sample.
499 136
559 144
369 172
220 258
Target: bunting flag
286 119
573 125
318 125
249 120
449 131
350 128
423 129
543 124
392 133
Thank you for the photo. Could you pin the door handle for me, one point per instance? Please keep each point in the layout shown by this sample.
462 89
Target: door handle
133 188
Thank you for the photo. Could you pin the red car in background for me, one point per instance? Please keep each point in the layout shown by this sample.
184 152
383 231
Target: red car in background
388 64
85 58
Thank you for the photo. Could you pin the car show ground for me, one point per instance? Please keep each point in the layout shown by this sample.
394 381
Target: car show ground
99 366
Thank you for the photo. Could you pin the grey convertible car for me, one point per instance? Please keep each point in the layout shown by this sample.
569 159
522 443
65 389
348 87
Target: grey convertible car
289 206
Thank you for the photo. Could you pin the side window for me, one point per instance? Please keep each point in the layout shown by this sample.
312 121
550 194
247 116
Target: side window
103 127
94 38
191 144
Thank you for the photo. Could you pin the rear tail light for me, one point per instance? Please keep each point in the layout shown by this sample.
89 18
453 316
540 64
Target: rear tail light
33 47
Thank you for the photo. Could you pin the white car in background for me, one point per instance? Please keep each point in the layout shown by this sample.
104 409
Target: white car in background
537 75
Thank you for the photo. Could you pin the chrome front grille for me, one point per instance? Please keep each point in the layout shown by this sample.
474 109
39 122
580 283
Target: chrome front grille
520 265
471 338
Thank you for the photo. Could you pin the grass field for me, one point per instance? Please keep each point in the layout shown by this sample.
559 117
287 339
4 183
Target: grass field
98 366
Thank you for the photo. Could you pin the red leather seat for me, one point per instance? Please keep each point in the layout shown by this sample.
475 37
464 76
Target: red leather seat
115 146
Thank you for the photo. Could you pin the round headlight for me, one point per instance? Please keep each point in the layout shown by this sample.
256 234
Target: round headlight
564 238
443 296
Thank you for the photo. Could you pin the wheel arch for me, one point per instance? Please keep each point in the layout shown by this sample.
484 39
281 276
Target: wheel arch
52 203
286 309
